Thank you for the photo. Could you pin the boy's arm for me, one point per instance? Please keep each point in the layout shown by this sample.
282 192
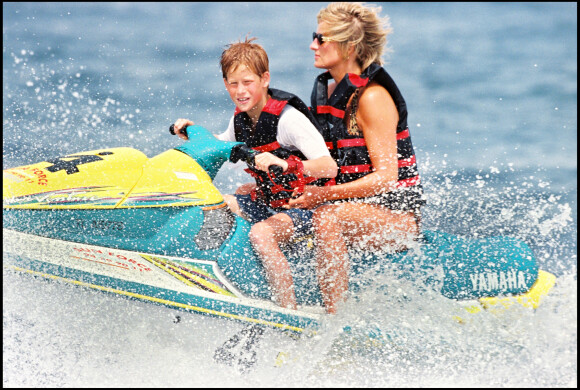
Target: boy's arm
321 167
180 125
229 134
295 131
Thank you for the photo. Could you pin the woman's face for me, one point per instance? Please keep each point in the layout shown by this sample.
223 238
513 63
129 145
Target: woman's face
326 55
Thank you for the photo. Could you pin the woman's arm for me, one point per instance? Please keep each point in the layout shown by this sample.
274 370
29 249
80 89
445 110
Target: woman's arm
321 167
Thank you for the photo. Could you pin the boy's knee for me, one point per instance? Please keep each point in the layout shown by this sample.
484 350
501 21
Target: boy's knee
230 200
232 203
260 231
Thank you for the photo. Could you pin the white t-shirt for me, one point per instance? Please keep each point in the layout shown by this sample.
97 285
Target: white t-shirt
295 132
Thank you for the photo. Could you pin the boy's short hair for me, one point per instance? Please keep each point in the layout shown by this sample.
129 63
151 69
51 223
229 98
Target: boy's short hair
244 53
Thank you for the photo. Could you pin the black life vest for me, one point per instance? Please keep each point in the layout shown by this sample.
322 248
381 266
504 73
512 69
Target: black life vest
350 151
275 191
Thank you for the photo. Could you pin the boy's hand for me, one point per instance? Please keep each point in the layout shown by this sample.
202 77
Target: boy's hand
263 161
179 127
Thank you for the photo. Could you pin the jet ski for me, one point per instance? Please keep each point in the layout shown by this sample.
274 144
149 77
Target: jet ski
157 229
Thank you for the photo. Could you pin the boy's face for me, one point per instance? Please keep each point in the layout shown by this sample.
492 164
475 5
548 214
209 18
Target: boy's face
248 91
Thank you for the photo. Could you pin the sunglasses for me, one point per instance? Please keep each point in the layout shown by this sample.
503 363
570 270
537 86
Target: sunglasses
320 38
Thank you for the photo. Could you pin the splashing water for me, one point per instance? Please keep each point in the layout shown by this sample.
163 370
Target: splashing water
68 89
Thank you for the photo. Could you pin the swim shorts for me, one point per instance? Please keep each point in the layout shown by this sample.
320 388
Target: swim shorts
257 211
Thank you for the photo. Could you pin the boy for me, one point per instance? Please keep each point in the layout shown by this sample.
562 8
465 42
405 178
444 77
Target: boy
280 126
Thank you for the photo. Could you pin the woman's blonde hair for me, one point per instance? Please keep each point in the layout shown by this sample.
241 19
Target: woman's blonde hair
244 53
360 25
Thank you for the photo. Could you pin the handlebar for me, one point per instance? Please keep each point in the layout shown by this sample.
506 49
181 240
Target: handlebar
241 152
276 170
245 153
172 129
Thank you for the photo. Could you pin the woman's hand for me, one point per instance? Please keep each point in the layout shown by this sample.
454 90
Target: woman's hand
180 125
312 197
246 189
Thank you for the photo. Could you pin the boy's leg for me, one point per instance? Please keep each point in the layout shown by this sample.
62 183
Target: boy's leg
232 203
269 231
266 238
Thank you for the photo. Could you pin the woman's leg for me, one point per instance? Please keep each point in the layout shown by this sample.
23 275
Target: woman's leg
332 263
266 238
339 226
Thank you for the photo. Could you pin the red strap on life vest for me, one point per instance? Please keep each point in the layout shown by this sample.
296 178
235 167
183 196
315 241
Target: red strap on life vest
268 147
252 173
355 168
296 167
254 195
412 181
403 134
407 162
274 106
349 143
365 168
330 110
357 81
352 142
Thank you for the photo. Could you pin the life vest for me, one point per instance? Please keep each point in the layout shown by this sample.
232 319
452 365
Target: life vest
350 151
274 190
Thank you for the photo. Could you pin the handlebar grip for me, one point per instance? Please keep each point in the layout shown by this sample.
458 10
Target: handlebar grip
276 170
244 153
172 129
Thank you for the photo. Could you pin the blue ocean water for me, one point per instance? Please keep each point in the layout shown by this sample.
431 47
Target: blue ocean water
492 95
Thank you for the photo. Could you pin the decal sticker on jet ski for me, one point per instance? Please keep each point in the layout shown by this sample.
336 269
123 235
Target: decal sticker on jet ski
71 166
198 275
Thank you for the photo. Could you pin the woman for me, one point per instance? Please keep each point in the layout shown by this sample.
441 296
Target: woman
375 200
